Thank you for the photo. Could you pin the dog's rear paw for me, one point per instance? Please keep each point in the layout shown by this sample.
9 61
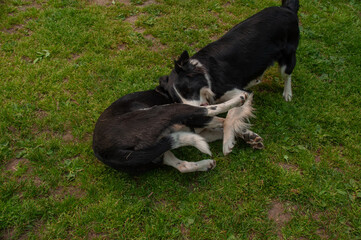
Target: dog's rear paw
201 166
257 145
228 145
206 165
287 96
252 139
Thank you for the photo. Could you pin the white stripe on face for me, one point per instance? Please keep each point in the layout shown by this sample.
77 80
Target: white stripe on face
197 63
205 97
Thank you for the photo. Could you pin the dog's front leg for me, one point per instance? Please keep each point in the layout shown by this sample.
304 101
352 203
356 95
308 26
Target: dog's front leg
236 101
211 134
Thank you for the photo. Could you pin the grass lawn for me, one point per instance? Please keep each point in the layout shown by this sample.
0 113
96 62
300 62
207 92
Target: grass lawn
62 62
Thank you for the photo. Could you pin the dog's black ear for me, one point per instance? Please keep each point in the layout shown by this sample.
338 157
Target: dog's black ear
184 57
177 66
181 62
163 81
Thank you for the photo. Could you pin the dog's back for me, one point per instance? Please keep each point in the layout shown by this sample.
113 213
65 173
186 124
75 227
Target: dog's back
268 36
118 134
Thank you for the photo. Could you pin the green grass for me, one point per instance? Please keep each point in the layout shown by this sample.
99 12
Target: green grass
304 185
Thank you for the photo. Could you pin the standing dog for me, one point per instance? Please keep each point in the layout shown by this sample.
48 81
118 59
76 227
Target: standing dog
139 130
237 61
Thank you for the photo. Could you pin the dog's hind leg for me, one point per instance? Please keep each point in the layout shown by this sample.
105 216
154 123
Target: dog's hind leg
212 134
235 124
287 91
180 139
186 167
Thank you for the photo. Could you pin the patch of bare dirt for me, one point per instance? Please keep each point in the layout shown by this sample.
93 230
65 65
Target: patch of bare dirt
26 7
161 202
280 214
318 156
149 2
131 19
14 28
41 114
13 164
109 2
87 137
289 167
39 227
214 38
48 134
12 129
126 2
74 57
101 2
156 44
37 181
62 192
7 234
68 137
94 235
185 231
139 30
122 47
226 4
316 216
27 59
322 233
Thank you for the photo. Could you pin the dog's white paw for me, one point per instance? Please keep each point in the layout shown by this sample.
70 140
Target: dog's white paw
287 92
242 99
228 144
206 165
287 96
202 166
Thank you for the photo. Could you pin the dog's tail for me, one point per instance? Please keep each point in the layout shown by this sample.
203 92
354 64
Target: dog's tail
294 5
125 159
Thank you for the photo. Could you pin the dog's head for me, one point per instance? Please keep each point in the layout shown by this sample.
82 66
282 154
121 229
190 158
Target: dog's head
189 82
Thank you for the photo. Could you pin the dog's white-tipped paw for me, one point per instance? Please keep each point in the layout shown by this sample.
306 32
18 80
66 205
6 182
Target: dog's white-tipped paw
228 145
287 96
202 166
206 165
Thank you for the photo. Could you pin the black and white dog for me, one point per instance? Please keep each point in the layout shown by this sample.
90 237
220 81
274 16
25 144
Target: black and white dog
139 130
237 61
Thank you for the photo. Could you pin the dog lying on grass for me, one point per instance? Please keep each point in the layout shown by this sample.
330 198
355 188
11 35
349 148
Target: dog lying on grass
237 61
138 130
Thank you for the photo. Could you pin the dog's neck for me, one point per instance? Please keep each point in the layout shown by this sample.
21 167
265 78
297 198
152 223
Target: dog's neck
164 93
